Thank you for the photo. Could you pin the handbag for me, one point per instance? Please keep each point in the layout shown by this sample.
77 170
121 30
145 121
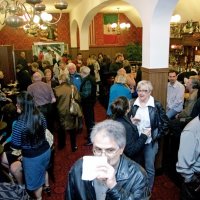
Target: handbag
74 108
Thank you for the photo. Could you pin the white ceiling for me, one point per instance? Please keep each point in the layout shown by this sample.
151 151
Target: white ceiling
188 9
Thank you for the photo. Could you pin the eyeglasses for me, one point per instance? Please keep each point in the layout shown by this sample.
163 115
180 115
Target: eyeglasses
108 152
142 91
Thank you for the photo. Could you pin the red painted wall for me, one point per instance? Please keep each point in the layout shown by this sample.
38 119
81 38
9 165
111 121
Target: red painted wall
132 35
20 40
17 37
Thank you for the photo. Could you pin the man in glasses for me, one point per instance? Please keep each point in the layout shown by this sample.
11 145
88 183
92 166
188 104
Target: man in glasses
116 178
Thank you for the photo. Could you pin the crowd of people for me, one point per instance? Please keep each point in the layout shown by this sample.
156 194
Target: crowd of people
128 138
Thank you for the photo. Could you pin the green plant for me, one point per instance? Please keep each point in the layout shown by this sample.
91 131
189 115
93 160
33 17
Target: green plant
134 52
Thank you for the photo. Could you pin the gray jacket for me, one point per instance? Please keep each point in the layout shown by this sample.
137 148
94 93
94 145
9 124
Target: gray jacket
188 164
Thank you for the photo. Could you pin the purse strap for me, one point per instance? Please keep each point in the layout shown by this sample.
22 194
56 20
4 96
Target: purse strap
72 91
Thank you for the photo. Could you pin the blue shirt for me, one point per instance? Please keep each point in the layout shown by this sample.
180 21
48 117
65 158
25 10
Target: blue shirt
76 80
116 91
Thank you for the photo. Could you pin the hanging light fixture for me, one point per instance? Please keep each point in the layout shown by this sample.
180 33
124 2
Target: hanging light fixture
29 13
118 27
175 18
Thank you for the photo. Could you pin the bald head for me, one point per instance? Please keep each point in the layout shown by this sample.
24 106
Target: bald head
37 77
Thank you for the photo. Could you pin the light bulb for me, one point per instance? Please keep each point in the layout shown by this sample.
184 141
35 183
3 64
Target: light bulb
128 25
114 25
46 16
123 25
36 19
43 27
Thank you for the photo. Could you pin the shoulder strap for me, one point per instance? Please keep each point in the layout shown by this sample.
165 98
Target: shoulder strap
72 91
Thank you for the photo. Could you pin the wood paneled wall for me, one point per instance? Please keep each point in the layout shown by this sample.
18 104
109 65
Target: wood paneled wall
7 62
111 51
107 50
159 79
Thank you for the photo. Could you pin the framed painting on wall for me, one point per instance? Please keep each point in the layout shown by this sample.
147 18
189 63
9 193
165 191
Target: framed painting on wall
57 47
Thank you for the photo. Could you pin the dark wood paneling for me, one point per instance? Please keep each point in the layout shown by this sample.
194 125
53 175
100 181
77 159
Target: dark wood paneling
7 62
109 50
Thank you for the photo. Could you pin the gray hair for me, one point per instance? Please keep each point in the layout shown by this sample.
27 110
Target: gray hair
85 70
147 84
112 129
71 65
121 79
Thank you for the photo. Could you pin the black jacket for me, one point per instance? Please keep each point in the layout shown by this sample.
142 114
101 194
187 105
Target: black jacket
158 119
24 79
88 95
132 183
134 142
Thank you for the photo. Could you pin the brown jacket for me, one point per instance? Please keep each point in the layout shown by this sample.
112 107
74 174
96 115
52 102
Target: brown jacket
63 97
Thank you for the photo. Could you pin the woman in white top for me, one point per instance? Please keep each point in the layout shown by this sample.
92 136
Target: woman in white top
147 113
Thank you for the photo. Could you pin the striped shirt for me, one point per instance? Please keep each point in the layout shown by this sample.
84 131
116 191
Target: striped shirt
31 147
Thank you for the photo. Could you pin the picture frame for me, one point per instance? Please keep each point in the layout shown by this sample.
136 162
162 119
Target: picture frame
57 47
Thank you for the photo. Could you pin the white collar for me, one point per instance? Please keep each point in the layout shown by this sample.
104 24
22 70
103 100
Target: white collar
150 102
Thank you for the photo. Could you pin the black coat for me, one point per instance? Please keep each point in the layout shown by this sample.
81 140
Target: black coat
132 183
88 94
158 119
24 79
134 142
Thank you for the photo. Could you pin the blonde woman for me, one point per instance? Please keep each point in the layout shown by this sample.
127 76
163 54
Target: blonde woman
147 113
119 88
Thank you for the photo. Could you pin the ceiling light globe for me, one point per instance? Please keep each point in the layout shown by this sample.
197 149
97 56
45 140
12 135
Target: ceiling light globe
128 25
123 25
177 18
49 17
36 19
43 27
46 17
61 5
114 25
14 21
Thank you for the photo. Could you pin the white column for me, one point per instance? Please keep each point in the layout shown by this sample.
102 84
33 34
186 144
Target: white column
155 16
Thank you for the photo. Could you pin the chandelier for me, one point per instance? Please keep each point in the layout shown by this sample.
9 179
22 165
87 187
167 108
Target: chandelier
30 13
119 27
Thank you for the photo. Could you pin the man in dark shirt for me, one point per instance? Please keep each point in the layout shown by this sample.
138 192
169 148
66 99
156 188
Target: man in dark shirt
88 99
23 77
22 60
118 64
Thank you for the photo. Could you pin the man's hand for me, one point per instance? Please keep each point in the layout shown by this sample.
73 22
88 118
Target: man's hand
106 173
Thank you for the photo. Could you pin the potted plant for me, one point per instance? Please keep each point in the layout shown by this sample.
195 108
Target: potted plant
134 52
